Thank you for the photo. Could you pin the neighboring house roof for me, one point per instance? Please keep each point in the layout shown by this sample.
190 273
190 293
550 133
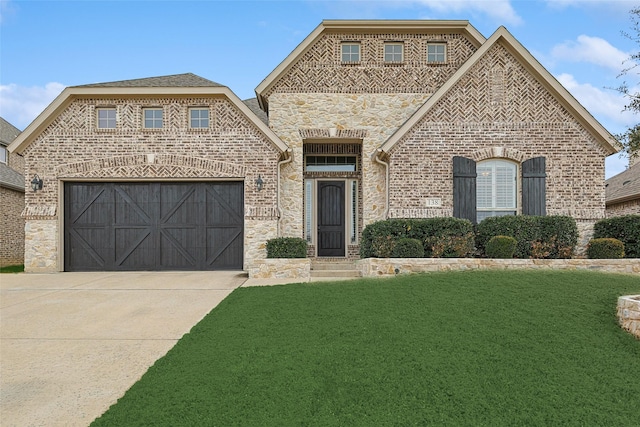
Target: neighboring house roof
254 106
174 85
9 178
8 132
375 26
175 80
608 142
623 187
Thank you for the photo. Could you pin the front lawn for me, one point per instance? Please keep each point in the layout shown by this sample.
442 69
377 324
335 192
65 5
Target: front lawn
469 348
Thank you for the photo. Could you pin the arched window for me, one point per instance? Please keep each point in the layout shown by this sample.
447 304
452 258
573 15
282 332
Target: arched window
496 192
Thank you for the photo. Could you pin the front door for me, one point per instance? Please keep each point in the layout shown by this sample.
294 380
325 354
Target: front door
331 219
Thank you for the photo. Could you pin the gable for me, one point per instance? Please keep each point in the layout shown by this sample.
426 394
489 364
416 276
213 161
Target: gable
503 84
315 66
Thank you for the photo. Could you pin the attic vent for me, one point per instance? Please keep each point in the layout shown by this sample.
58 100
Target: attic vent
626 182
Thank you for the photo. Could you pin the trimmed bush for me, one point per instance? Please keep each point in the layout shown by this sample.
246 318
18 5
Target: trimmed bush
605 248
452 237
408 248
501 247
287 247
537 236
624 228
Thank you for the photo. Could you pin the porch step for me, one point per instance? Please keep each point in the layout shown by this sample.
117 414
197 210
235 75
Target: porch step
334 269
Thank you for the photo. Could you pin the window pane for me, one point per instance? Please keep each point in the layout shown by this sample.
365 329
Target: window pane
106 118
152 118
3 154
495 188
350 52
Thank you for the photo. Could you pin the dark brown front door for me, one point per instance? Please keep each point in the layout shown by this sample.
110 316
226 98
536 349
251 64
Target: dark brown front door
331 223
153 226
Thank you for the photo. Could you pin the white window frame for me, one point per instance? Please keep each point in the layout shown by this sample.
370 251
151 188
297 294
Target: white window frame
106 117
200 122
4 154
350 57
393 57
157 122
435 56
501 177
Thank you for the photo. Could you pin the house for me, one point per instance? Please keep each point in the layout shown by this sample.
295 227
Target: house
364 120
622 192
12 196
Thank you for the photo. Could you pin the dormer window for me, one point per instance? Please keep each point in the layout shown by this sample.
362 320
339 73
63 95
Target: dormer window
3 154
393 52
350 52
436 53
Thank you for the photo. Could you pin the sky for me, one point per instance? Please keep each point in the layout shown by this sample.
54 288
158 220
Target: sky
48 45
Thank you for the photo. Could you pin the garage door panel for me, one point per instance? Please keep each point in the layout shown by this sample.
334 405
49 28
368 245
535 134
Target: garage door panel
179 248
90 247
134 249
154 226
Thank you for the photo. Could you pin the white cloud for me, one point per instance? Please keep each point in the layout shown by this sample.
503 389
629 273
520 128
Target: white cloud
625 5
593 50
605 105
20 105
499 9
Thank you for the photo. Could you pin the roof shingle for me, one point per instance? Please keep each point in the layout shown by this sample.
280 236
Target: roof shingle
624 186
174 80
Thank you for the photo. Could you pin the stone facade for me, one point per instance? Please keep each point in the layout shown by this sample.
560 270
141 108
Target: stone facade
72 148
379 267
281 268
12 226
629 314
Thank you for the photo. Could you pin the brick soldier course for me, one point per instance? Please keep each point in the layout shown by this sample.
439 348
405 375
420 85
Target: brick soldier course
376 138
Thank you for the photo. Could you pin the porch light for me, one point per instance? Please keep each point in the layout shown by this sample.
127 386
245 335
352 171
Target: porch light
36 183
259 183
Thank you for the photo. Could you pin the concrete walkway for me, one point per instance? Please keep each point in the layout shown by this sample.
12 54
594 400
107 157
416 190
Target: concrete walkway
71 344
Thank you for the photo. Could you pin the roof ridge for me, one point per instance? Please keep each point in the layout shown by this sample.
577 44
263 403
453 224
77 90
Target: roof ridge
171 80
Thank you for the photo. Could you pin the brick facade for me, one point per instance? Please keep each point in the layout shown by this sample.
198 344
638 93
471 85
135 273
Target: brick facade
526 122
71 148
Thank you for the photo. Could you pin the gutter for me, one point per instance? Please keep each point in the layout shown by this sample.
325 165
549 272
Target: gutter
288 154
377 157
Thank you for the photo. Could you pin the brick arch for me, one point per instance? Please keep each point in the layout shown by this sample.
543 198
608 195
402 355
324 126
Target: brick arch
500 153
151 166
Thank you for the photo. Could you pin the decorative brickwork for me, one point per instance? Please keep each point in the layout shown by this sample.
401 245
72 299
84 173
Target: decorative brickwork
72 148
517 121
320 69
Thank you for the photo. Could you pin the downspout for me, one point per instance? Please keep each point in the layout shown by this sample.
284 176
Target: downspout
288 154
377 157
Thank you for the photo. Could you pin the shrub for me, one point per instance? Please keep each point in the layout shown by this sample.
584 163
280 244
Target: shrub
501 247
605 248
624 228
439 236
536 236
408 248
286 247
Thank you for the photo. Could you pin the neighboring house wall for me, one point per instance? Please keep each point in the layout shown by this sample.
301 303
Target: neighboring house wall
631 207
12 226
72 148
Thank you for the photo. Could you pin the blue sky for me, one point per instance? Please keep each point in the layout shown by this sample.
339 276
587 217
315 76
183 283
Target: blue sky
48 45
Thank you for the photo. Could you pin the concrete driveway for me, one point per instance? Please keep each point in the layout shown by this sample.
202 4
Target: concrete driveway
71 344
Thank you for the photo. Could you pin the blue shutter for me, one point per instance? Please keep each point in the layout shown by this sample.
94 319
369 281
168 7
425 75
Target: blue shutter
464 188
534 191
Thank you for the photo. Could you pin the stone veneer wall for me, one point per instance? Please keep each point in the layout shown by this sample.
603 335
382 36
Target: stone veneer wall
629 313
11 227
369 117
71 148
374 267
280 268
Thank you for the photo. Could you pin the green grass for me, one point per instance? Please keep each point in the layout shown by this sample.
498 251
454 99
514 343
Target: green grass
12 269
460 349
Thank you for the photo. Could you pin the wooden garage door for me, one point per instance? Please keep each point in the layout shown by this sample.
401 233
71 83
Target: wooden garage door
153 226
